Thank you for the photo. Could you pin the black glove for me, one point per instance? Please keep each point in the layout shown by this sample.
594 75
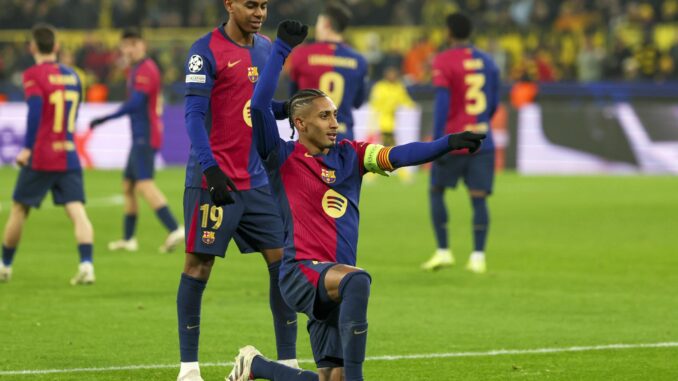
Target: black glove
96 122
218 185
292 32
466 139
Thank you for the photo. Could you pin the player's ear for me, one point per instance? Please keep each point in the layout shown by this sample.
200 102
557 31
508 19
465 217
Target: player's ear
57 47
228 5
299 124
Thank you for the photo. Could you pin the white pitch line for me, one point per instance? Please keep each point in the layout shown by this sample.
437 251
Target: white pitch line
496 352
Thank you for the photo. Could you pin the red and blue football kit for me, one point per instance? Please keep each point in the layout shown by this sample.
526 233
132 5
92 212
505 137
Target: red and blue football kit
53 94
337 70
144 107
318 197
220 80
467 96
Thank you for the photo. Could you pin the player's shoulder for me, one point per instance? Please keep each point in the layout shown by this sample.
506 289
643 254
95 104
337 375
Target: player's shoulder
32 71
351 146
262 39
149 67
202 44
69 71
486 57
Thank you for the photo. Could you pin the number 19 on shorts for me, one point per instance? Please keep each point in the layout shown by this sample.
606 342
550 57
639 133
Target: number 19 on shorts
211 214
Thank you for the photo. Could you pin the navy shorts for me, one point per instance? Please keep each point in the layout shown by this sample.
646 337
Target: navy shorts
299 287
253 221
140 163
476 170
32 187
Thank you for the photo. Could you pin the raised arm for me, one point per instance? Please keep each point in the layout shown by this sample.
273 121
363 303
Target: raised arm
265 128
379 159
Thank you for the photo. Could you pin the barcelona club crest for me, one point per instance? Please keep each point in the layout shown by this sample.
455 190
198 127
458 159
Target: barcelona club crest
328 176
207 237
253 74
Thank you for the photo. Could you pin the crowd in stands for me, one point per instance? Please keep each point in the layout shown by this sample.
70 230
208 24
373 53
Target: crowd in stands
539 40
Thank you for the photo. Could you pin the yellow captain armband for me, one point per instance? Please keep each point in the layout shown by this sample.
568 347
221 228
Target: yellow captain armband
376 159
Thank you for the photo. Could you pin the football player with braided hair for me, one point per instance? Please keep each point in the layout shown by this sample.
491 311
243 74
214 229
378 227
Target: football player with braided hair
316 182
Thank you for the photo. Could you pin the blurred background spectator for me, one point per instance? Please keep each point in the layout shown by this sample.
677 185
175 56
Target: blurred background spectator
537 40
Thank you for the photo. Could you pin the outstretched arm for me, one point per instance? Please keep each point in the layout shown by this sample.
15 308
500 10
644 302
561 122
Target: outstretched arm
265 128
136 102
380 159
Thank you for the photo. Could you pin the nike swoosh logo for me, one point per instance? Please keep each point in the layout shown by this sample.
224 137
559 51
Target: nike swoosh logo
308 154
189 327
231 64
356 332
291 322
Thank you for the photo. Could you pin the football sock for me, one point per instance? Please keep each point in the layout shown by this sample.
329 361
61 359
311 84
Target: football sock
439 216
284 318
270 370
355 293
130 226
85 251
481 221
189 299
167 219
8 255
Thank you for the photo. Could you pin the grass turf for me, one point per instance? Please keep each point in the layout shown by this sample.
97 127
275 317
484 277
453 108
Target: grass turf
573 261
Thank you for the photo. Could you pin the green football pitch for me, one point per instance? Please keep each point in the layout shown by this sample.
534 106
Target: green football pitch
582 285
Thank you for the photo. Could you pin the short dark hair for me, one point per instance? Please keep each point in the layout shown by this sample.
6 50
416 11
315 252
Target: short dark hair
44 36
460 25
299 100
339 14
132 33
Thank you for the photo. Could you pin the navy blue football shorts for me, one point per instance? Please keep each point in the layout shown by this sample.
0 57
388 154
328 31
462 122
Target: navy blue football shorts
299 285
253 221
32 187
476 170
140 163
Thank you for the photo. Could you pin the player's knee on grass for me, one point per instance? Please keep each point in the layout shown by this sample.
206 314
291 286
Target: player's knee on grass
355 283
477 193
355 293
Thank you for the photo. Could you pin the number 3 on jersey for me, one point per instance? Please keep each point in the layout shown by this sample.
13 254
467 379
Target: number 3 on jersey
333 84
477 101
59 99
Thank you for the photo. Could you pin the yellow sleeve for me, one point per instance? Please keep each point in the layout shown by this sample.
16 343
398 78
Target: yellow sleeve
377 159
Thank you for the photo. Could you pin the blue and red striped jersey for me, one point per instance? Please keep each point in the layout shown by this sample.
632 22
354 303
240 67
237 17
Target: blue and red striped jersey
337 70
226 72
472 79
60 90
304 185
147 125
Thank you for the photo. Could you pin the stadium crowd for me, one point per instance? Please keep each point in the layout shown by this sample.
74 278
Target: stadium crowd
539 40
